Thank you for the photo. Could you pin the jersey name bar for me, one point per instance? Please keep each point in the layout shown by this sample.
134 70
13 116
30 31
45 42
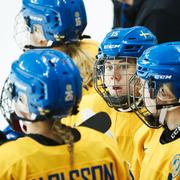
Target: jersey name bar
104 171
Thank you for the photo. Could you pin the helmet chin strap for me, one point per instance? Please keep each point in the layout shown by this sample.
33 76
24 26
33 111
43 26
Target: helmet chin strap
162 115
50 44
168 134
164 112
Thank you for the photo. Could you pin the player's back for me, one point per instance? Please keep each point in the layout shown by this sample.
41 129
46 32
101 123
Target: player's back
95 156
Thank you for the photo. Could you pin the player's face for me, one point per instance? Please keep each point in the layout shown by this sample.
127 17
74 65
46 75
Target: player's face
25 36
117 74
165 97
162 97
37 37
21 106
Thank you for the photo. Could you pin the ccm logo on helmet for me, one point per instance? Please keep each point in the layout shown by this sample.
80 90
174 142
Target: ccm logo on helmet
35 18
111 46
163 76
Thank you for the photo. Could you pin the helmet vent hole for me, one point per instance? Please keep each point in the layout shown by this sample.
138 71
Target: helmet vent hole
131 38
129 47
72 2
145 69
113 38
65 73
132 48
52 63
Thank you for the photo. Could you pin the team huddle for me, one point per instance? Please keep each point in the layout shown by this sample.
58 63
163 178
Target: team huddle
80 110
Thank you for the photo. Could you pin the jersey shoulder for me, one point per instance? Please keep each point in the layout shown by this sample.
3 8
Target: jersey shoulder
14 151
96 137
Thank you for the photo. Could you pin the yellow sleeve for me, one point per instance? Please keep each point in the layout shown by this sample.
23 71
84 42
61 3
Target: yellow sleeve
90 104
10 161
160 161
141 139
124 126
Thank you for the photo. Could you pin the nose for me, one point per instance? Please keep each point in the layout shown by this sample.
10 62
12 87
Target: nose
116 76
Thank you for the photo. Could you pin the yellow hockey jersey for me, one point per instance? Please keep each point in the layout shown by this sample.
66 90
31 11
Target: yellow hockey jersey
157 161
90 104
96 156
141 138
123 127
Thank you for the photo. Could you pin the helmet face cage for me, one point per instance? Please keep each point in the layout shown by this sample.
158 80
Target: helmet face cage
7 106
21 32
6 100
153 100
29 32
11 94
111 76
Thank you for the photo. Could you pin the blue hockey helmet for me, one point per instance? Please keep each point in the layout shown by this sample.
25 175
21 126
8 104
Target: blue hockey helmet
127 42
158 67
162 63
121 44
50 81
60 20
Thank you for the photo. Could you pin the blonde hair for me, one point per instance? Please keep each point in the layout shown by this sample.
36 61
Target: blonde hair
83 53
168 89
64 135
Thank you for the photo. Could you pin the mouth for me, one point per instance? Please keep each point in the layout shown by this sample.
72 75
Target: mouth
117 88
